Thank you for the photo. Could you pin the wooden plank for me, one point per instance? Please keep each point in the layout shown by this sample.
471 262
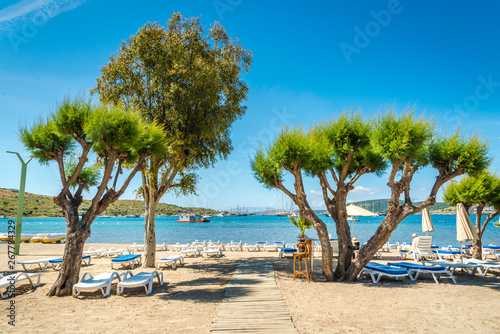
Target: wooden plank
253 303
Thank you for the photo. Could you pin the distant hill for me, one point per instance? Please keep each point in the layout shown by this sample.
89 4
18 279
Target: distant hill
380 206
43 206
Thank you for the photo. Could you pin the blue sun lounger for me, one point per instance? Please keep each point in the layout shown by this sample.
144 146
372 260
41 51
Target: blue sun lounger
444 254
129 259
417 269
286 250
57 263
377 270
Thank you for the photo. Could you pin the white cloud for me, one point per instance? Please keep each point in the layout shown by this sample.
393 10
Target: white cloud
360 190
37 11
315 193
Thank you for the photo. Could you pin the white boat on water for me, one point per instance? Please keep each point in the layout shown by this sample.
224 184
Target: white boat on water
221 215
207 216
191 218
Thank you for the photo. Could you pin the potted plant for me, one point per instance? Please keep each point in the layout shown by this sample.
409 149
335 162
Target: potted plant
303 225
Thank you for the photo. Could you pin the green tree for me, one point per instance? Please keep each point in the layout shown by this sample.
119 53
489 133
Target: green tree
190 83
481 190
339 152
302 224
117 137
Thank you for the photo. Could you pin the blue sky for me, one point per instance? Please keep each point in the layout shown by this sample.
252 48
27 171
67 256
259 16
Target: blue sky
310 62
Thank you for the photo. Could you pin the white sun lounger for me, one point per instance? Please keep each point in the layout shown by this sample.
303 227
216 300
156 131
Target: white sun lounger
377 270
137 247
252 248
96 282
129 259
189 251
141 279
418 269
178 247
9 281
57 263
216 251
275 246
116 252
42 263
485 265
96 252
454 266
170 260
162 247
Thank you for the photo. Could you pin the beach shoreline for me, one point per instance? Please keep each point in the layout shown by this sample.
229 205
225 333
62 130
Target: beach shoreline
189 300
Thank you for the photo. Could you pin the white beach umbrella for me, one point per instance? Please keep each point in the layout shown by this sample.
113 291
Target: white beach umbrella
465 229
426 221
356 211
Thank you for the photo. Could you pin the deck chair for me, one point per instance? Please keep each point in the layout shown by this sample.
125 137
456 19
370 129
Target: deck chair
335 247
9 281
140 279
170 260
455 265
286 250
250 248
444 254
423 249
491 250
41 263
484 264
113 251
129 259
417 269
96 252
96 282
57 263
212 251
377 270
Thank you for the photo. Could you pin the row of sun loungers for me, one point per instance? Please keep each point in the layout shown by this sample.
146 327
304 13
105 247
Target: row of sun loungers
40 237
55 263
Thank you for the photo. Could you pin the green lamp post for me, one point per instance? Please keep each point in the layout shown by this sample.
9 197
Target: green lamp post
20 203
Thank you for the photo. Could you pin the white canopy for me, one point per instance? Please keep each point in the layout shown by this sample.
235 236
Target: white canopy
426 221
465 229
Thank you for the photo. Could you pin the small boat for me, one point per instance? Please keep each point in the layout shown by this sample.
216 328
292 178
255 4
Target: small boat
38 237
352 219
191 218
221 215
54 237
24 237
207 216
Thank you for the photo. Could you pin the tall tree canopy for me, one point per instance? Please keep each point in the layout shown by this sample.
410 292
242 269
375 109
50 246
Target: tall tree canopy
340 151
482 189
117 137
188 81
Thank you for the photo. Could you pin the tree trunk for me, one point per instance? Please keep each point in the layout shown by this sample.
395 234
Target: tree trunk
326 247
477 249
77 233
346 248
149 234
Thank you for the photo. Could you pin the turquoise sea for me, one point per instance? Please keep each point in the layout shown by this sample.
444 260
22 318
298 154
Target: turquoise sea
249 229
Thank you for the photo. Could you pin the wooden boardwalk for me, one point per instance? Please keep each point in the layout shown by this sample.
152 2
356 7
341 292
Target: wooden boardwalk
253 303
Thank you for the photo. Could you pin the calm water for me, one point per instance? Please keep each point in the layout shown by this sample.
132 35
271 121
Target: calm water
249 229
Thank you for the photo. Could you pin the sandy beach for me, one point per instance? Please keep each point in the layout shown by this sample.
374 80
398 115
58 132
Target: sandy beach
190 299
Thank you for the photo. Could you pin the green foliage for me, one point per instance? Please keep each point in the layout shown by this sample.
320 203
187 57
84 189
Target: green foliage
346 139
472 189
89 176
289 150
402 137
302 223
186 80
469 155
44 140
71 115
